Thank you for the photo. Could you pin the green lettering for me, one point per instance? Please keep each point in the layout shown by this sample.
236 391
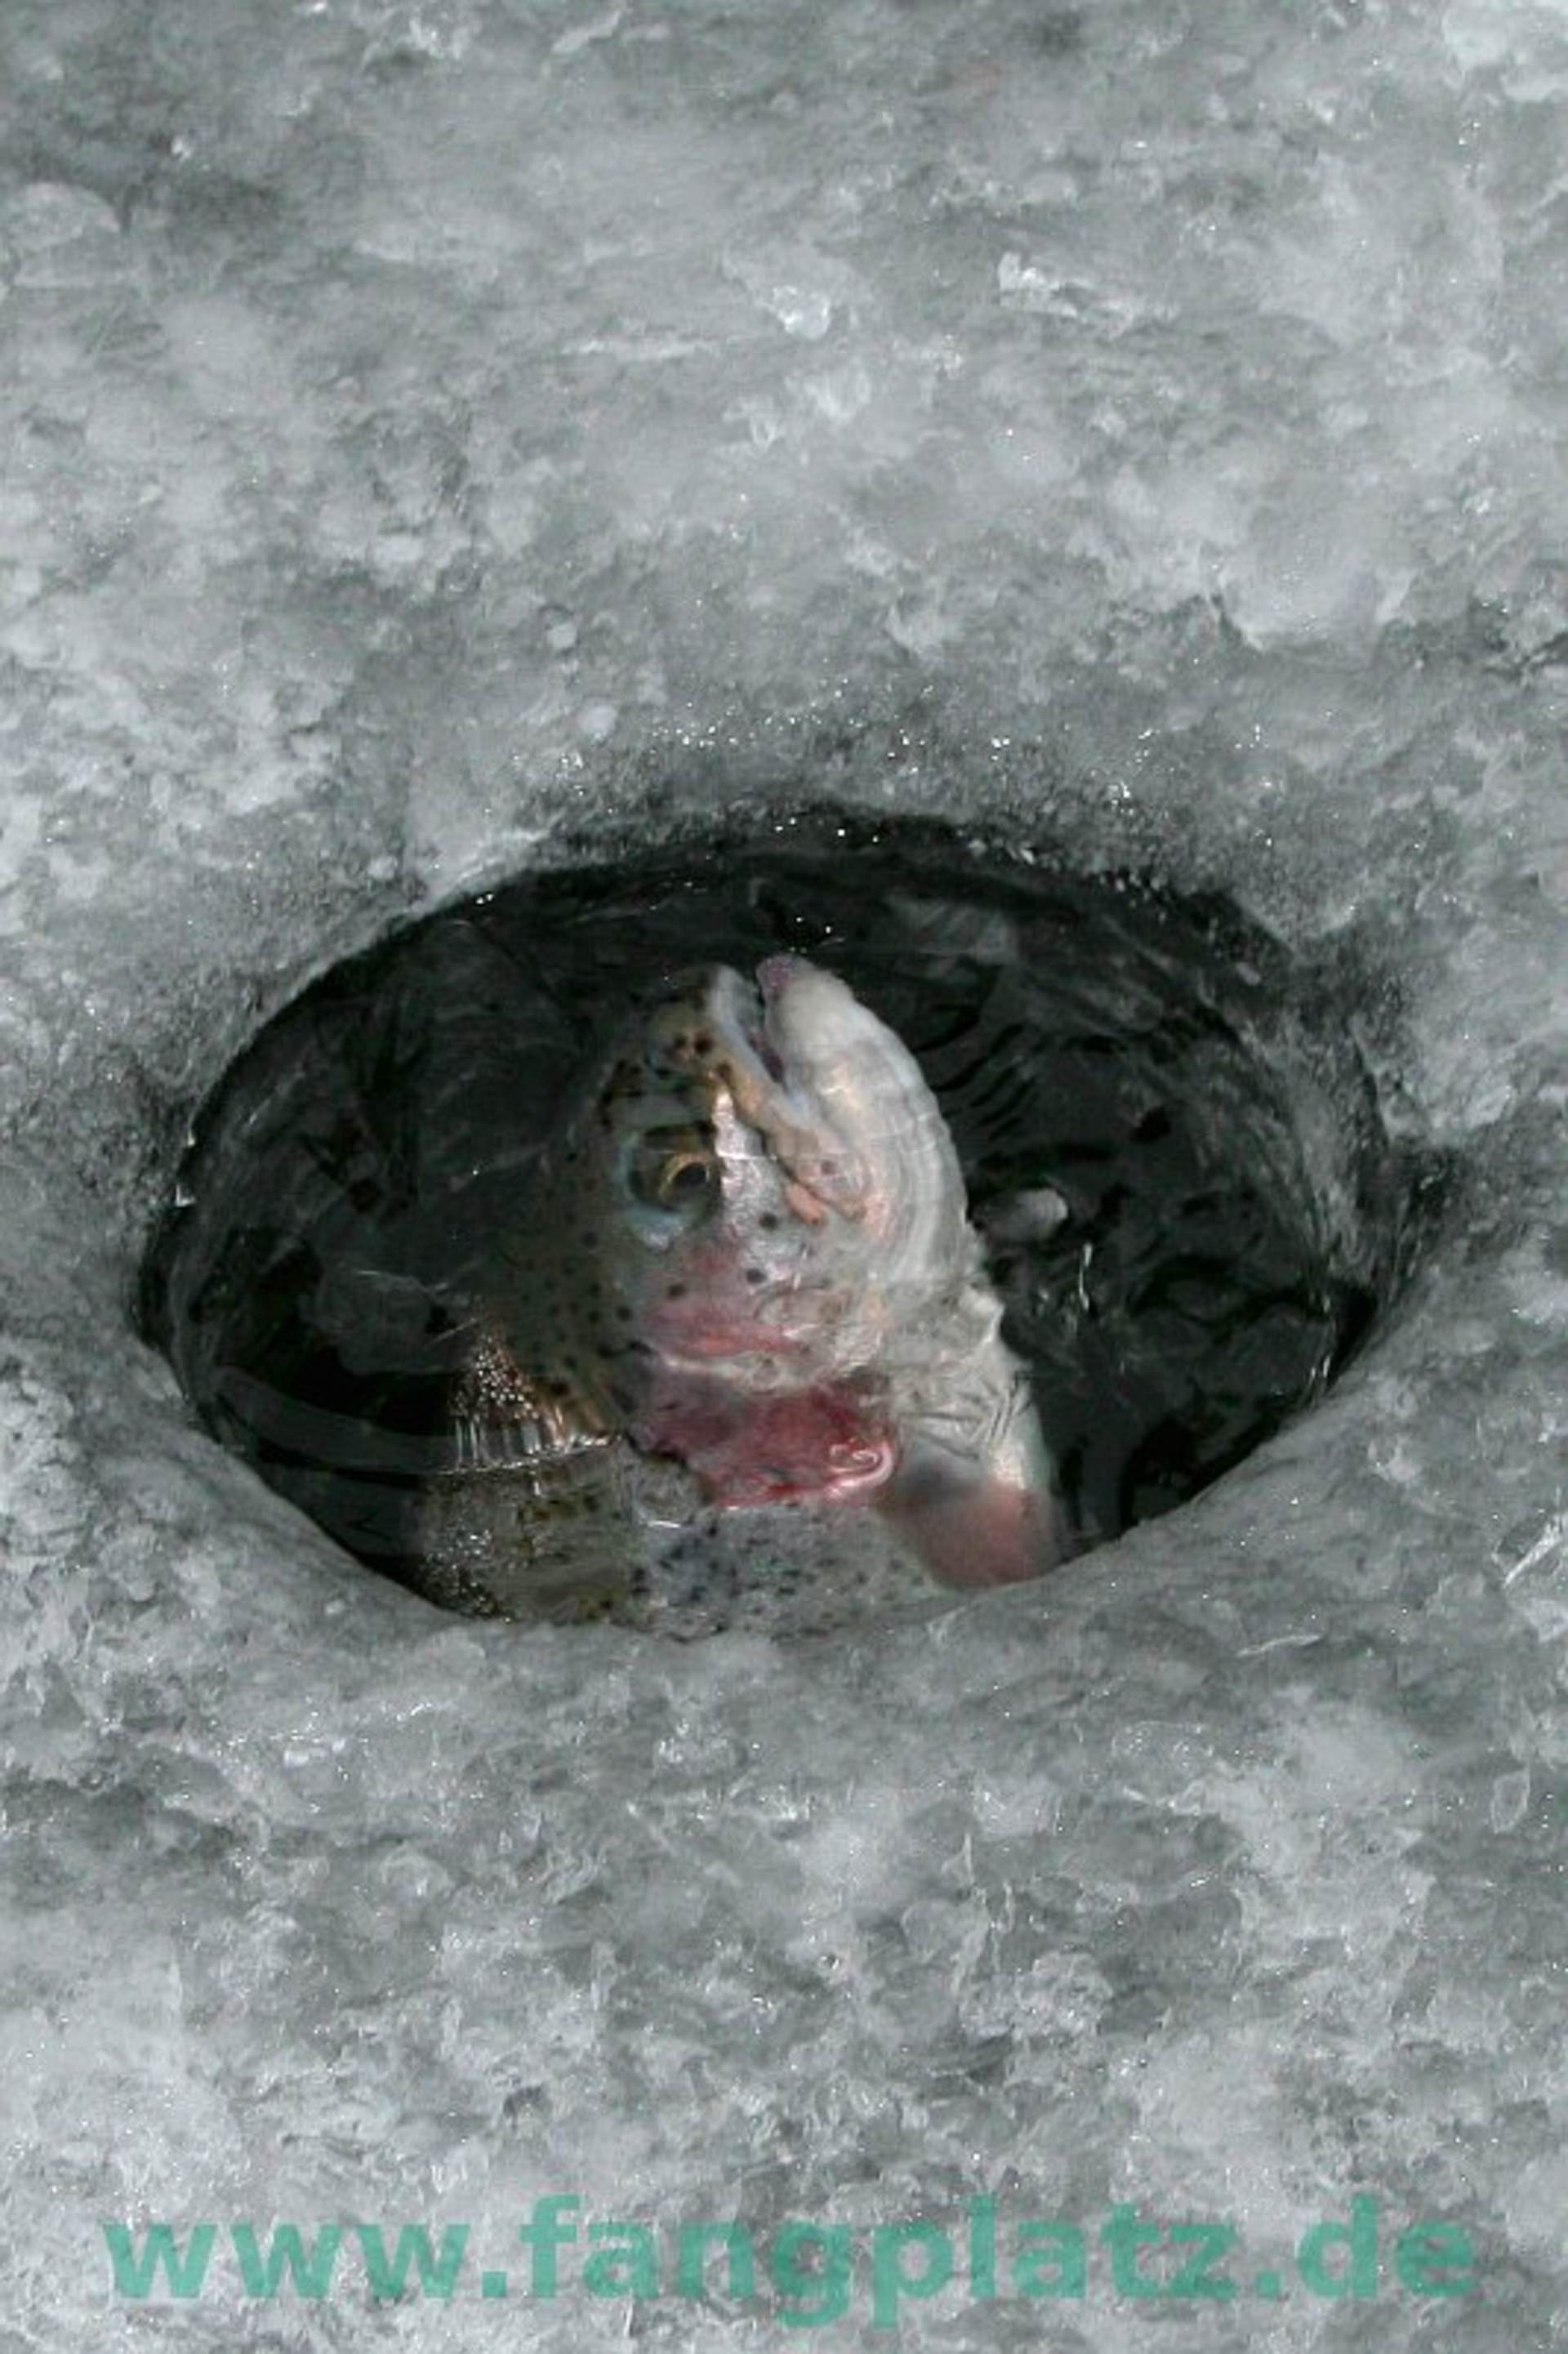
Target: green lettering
311 2274
1424 2257
1360 2235
1062 2246
386 2275
692 2259
836 2248
982 2247
134 2274
1211 2242
1124 2235
890 2282
629 2269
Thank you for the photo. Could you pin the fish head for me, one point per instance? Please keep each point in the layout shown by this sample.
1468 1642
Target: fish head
764 1267
781 1189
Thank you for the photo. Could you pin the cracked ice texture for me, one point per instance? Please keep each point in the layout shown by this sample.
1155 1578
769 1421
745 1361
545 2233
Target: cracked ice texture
415 415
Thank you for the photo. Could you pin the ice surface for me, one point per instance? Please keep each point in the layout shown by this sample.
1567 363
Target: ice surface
425 424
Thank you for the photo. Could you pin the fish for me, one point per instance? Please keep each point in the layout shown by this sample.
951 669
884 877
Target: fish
743 1281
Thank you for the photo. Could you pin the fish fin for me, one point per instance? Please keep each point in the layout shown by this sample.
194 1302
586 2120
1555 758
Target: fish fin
975 1496
507 1418
516 1542
968 1524
533 1518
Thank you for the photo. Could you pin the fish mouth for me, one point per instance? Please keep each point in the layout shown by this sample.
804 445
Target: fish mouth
775 973
826 1177
760 1004
763 1042
739 1009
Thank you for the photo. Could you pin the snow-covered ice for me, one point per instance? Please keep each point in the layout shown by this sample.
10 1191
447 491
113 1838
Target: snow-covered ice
427 424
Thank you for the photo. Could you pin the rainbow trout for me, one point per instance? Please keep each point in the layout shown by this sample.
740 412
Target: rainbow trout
746 1281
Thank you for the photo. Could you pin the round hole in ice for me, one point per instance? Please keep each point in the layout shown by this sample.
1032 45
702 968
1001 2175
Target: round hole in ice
1189 1209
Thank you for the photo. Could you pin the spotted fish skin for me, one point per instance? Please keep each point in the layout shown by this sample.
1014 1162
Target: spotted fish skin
746 1277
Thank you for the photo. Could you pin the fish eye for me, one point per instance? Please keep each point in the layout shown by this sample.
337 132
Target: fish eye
673 1169
683 1176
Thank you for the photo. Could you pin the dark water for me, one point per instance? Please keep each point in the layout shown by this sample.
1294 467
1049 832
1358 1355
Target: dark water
1191 1209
